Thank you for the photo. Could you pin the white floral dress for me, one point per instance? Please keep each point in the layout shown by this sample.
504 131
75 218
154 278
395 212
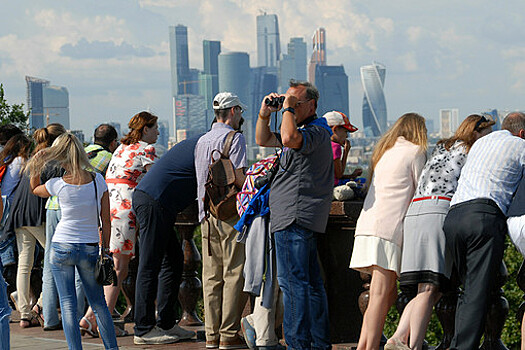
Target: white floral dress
126 168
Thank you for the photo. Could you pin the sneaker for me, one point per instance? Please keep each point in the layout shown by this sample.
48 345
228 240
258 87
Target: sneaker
234 343
249 333
212 344
155 336
180 332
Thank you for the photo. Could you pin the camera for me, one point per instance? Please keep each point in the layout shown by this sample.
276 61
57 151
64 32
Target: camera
274 102
268 177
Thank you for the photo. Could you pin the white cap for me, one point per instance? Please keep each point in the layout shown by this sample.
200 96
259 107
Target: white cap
335 118
224 100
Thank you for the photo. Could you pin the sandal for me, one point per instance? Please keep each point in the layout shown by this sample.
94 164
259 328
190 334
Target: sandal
120 332
89 330
38 314
29 322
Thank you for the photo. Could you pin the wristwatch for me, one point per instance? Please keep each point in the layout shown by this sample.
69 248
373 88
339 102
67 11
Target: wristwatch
289 109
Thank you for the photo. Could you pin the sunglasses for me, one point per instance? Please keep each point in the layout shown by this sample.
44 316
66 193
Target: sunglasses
480 121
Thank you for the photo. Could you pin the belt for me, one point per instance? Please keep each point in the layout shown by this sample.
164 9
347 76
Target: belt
431 197
485 201
122 181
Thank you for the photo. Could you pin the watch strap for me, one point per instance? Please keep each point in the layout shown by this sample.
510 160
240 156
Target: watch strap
289 109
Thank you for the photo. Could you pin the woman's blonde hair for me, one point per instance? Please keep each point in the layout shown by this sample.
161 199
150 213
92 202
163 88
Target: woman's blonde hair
44 137
465 131
411 126
136 126
67 152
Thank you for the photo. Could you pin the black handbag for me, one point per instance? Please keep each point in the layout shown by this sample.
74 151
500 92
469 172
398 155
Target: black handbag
104 268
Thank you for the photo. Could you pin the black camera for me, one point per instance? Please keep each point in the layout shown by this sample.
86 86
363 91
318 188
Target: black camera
268 177
274 102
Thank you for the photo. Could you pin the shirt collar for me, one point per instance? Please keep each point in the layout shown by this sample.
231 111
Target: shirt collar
219 125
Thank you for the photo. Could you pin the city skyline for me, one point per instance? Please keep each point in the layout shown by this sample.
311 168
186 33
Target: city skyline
114 59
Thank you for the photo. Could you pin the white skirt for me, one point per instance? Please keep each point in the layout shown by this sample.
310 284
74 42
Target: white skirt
370 250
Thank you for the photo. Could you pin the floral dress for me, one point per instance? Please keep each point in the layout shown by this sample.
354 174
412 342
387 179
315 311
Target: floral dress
126 168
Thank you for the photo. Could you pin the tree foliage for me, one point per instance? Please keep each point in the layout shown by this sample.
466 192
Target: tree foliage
13 114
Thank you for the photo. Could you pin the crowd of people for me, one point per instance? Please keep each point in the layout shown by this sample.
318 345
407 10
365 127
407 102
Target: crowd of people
119 194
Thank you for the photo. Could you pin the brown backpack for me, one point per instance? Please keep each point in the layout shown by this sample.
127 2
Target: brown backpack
219 190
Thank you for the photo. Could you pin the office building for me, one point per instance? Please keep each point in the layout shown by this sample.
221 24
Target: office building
293 64
179 60
318 53
448 122
209 77
263 81
268 42
332 83
190 116
46 103
234 74
164 133
374 103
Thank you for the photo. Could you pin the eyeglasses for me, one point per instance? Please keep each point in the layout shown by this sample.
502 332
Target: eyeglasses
480 121
301 102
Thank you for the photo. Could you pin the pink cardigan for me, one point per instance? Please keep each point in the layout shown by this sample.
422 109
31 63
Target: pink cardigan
393 185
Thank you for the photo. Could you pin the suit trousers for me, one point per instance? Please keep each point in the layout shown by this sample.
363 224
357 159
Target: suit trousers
475 236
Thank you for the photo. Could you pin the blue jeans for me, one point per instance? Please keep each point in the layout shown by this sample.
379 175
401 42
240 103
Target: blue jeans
305 323
64 258
49 289
5 311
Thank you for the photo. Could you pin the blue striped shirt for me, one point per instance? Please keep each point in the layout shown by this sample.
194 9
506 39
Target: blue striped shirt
494 168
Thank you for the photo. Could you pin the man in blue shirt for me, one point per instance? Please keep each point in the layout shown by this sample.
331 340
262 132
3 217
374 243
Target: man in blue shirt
166 189
475 226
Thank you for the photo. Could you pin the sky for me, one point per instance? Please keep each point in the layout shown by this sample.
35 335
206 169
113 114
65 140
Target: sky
113 56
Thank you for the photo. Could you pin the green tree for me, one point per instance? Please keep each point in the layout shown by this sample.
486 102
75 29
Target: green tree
13 114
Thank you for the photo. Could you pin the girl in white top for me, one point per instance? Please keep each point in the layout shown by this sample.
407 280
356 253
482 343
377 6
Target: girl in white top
396 163
75 244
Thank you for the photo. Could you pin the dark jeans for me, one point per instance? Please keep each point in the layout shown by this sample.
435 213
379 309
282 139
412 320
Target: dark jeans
475 233
305 323
160 265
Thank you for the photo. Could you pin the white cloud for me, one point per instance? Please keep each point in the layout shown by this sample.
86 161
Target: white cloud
414 34
409 62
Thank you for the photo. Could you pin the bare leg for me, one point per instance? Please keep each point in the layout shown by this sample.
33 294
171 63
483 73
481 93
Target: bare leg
382 296
403 328
523 333
427 297
111 293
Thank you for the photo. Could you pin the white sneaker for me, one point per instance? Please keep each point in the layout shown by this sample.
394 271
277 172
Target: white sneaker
155 336
180 332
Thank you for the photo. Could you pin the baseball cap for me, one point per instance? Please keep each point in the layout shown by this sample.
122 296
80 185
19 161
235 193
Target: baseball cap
335 118
224 100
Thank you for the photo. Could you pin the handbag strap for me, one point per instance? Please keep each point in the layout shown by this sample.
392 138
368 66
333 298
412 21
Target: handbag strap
102 248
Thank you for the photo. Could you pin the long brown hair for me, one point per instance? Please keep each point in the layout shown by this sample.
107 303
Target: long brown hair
411 126
17 146
44 137
465 132
136 126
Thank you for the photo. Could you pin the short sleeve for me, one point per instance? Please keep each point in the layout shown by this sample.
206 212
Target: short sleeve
53 186
101 183
148 156
238 151
336 149
312 138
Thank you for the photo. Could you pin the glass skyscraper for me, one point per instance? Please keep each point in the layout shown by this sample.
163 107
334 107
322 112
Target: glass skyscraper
209 77
268 42
332 83
179 61
46 103
318 53
374 103
293 64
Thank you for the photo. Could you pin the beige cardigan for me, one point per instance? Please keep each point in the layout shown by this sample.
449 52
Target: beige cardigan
393 185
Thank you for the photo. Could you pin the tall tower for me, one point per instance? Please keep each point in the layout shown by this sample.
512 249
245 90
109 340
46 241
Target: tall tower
268 43
209 77
448 122
35 101
319 53
332 83
46 103
293 64
179 61
374 103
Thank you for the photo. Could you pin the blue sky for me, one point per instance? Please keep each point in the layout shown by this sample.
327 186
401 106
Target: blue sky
113 56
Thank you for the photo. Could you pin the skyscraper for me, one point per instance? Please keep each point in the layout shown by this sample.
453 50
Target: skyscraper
448 121
209 77
374 103
318 53
268 42
293 64
332 83
234 74
179 61
46 103
190 116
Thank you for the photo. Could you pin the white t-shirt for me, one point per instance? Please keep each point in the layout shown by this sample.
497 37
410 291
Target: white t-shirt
79 214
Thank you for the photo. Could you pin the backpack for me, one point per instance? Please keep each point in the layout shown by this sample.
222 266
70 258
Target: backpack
219 190
249 190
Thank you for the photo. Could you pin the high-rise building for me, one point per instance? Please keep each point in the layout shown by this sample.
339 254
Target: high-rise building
190 116
179 61
374 103
318 53
46 103
448 122
268 42
293 64
332 83
164 133
209 77
263 81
